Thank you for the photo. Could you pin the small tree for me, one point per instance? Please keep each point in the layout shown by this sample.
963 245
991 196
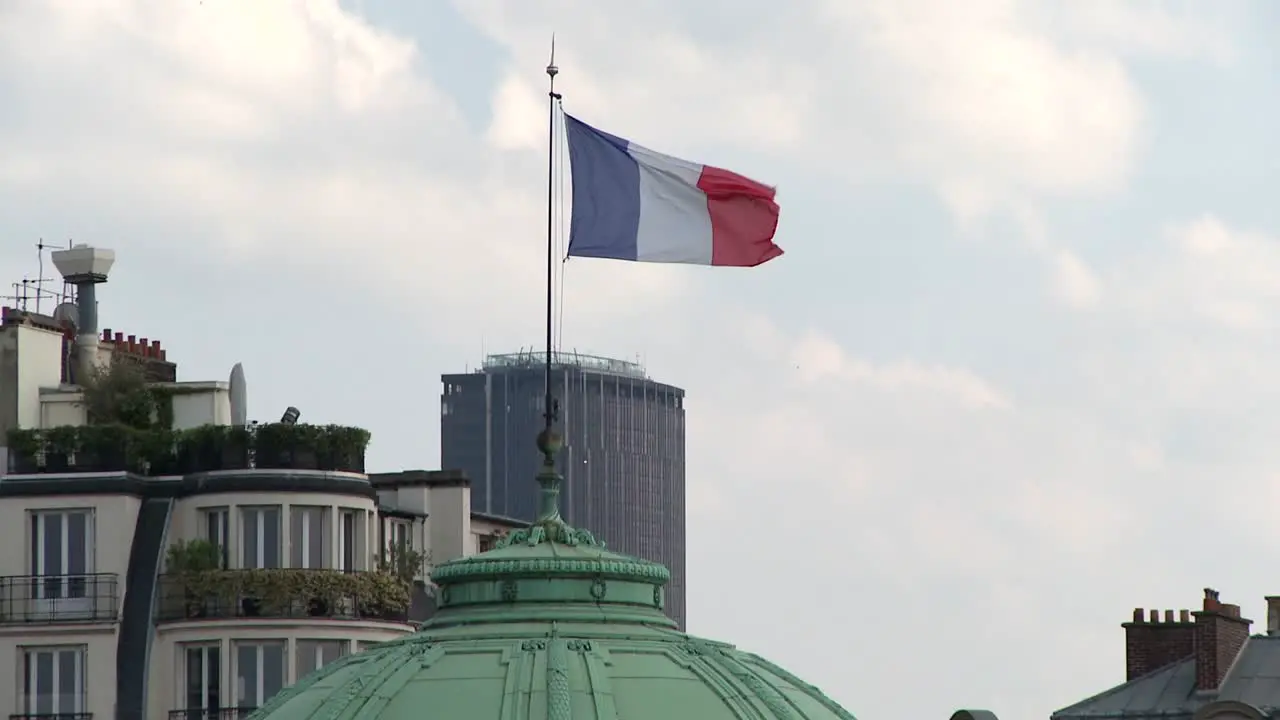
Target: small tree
402 561
117 394
193 556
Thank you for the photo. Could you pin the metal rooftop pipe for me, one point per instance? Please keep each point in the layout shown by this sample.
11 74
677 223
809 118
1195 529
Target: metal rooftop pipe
85 267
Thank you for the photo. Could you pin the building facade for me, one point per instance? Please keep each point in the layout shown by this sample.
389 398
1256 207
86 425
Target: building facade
624 456
94 624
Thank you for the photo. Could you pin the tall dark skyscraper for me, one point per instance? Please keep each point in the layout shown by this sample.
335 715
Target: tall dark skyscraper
623 457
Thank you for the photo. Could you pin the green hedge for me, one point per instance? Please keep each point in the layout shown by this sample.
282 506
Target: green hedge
160 451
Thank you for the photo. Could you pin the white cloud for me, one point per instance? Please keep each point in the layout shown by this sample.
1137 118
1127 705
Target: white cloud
1075 283
979 100
821 361
1227 278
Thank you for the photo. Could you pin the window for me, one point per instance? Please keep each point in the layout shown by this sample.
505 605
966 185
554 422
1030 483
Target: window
306 537
315 654
260 544
259 672
487 542
398 543
347 538
203 689
61 559
401 534
53 681
218 531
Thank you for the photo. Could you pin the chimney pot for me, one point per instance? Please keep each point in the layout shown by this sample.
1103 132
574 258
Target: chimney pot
1184 616
119 338
1168 616
144 342
106 335
162 354
1154 615
155 344
1137 615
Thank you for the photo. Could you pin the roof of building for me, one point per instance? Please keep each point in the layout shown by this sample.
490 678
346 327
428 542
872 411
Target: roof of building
1170 692
551 624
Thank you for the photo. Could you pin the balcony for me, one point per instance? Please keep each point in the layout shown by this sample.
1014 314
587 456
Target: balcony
282 594
211 713
52 716
49 599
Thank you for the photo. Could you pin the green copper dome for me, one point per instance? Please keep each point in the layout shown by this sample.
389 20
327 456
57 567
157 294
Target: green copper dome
551 626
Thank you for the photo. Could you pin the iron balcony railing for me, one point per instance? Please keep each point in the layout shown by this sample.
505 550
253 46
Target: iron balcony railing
234 713
52 716
274 594
46 599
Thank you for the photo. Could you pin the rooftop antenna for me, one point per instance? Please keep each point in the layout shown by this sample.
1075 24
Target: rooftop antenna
31 291
60 297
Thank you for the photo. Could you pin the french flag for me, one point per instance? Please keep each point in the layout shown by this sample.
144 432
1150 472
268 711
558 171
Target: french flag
631 203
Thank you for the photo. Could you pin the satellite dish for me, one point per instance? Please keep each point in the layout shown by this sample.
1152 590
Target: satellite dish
239 399
67 315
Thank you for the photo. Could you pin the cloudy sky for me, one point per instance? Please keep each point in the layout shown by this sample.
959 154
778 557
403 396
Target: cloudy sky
1013 377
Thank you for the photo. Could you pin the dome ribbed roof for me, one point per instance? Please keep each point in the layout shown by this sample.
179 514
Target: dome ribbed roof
550 625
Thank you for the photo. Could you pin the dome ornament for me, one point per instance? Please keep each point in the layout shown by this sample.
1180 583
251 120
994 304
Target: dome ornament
550 527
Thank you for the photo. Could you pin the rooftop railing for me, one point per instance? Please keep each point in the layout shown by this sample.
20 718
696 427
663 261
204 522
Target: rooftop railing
233 713
565 359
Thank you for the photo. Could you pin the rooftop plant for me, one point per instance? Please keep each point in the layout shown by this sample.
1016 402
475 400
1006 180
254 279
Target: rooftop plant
158 450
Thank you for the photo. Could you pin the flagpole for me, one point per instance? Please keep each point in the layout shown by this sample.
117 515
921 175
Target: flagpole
549 409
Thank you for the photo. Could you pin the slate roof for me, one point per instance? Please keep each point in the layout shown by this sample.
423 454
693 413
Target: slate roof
1170 692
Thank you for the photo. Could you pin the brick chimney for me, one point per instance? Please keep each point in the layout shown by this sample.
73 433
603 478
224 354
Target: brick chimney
1273 615
1220 634
1150 643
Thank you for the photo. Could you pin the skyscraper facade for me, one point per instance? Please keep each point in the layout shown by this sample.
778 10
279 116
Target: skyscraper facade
623 457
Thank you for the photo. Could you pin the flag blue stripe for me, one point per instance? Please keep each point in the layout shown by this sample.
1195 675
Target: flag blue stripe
605 221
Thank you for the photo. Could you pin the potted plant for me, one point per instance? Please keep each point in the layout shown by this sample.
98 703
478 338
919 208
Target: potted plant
156 452
192 561
270 592
200 449
273 443
105 448
304 453
324 591
24 450
235 448
343 448
63 442
382 595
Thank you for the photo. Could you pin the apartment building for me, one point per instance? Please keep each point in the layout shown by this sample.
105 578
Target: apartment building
190 564
94 624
